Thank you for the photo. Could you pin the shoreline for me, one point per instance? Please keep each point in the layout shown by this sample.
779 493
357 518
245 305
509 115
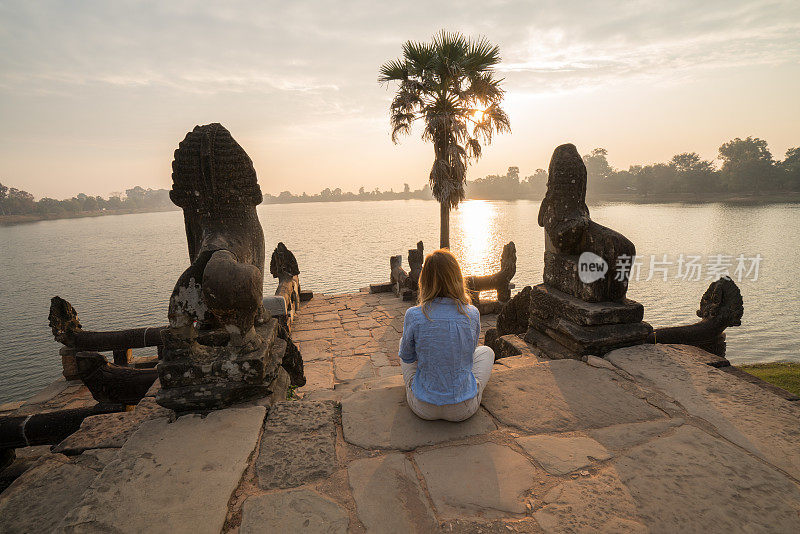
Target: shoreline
676 198
12 220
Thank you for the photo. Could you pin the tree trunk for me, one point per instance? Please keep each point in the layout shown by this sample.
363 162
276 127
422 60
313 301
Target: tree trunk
444 225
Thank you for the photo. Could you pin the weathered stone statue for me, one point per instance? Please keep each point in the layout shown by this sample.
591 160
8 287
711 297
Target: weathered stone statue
499 281
217 349
573 313
416 257
569 232
720 307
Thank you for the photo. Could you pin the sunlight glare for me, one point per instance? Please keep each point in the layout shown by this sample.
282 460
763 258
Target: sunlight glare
475 231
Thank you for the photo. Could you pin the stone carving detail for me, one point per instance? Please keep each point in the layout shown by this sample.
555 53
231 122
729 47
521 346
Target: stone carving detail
569 232
397 275
283 263
113 384
499 281
285 304
416 257
512 319
567 317
720 307
218 348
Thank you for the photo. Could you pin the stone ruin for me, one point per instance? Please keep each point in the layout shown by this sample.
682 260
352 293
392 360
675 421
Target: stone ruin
720 307
566 317
222 346
499 281
406 285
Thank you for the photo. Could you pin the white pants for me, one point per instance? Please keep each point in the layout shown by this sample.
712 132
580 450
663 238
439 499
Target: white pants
482 361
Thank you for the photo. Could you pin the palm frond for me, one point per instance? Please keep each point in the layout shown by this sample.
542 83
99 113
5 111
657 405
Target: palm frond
474 148
481 55
418 56
395 70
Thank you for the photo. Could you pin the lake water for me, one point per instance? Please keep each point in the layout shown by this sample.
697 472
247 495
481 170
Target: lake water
118 271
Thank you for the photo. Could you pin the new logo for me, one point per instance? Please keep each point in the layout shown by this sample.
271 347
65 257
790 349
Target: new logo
591 267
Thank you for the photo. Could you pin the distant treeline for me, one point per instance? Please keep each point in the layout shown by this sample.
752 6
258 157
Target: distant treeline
337 195
15 201
743 166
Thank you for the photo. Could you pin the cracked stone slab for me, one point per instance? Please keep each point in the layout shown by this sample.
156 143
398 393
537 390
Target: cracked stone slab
388 495
171 477
39 499
560 455
486 480
562 396
381 419
688 481
619 437
299 510
749 416
298 444
108 431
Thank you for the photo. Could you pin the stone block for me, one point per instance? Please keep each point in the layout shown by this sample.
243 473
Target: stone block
381 288
625 436
381 419
319 375
276 305
347 368
598 339
561 272
546 301
298 445
688 481
220 377
510 345
562 454
293 511
171 477
546 347
388 496
111 430
486 480
523 360
69 363
562 396
742 412
39 499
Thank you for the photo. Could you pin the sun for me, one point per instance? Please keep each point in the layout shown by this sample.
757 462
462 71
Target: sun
477 114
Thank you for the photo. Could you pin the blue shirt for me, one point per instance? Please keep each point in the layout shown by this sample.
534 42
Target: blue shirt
443 347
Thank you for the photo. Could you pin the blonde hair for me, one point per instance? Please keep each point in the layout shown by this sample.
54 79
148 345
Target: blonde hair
441 277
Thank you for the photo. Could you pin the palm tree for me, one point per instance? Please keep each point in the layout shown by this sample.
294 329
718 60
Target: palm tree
450 84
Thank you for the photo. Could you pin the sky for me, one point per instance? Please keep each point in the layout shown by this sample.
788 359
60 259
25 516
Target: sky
96 96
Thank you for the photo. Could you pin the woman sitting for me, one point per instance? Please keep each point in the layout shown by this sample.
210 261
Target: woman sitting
444 369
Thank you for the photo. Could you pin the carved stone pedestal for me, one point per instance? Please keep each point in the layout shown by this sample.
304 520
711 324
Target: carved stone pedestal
207 377
563 326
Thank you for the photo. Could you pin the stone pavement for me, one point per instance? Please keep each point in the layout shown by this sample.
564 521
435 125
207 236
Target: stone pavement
649 439
348 339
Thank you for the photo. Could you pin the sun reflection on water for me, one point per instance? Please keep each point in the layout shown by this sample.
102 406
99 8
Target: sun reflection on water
474 239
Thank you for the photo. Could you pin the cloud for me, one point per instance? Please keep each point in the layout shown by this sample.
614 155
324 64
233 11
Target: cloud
100 73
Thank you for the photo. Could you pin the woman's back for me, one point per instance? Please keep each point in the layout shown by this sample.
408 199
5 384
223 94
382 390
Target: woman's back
442 340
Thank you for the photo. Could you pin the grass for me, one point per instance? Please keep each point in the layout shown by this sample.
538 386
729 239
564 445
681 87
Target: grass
785 375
